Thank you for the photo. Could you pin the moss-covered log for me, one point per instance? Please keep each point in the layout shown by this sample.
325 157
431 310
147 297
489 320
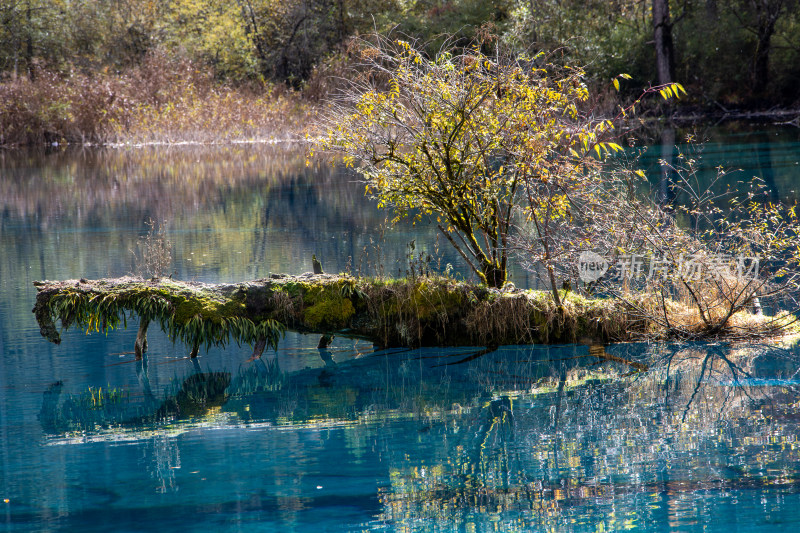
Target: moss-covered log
421 312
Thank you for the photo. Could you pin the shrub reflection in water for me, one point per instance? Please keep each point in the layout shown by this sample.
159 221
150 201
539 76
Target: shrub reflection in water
525 437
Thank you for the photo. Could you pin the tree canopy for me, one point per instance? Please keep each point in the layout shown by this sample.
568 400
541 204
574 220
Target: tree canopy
479 142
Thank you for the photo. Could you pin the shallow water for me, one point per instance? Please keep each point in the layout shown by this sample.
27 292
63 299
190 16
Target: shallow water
525 438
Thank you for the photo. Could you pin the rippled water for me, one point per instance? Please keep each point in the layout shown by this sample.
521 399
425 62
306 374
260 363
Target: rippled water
526 438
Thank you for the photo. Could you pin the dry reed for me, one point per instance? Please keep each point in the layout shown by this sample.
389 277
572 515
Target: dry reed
163 100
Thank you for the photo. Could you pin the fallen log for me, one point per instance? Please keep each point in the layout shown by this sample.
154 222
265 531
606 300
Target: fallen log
419 312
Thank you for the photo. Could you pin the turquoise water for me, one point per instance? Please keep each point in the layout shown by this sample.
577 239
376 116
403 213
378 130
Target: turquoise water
525 438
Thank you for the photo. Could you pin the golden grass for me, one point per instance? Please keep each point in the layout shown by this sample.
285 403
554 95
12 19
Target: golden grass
164 100
719 307
215 114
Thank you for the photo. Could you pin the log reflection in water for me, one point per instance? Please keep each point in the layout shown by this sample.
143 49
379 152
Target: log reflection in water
544 437
197 395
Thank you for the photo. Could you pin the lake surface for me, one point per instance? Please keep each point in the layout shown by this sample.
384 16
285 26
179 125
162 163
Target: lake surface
529 438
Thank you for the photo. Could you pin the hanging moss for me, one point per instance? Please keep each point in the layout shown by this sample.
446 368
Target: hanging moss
194 314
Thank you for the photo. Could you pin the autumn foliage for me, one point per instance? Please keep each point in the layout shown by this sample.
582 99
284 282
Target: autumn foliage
478 142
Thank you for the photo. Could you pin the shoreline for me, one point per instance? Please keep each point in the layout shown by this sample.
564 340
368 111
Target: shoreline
743 115
76 112
297 138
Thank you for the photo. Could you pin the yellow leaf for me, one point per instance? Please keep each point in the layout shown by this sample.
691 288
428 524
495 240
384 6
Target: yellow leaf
616 83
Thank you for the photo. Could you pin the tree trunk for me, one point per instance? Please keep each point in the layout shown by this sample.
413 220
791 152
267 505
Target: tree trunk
765 15
253 32
29 44
761 60
390 313
553 287
712 11
665 49
495 275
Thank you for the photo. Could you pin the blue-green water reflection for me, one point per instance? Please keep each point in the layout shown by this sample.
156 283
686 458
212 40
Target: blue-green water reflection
524 438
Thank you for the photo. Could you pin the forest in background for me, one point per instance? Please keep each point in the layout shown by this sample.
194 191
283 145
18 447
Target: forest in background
91 71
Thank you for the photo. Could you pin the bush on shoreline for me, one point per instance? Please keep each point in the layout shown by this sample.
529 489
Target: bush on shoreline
162 100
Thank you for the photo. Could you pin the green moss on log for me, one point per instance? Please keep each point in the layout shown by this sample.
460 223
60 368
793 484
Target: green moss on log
425 311
333 313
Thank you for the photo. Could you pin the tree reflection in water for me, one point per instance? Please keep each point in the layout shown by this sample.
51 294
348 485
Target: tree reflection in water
523 438
705 419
